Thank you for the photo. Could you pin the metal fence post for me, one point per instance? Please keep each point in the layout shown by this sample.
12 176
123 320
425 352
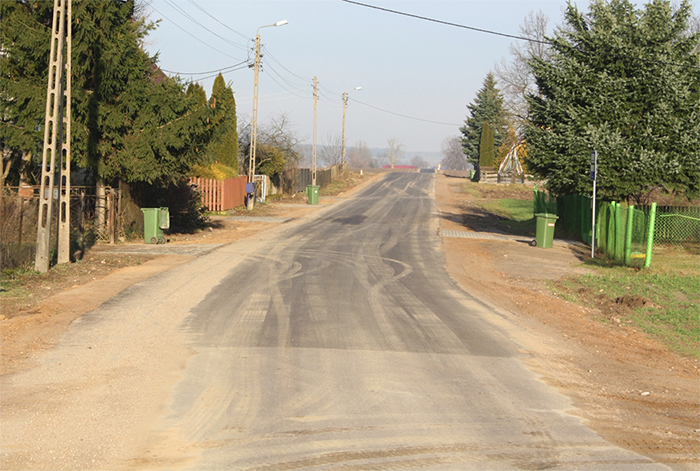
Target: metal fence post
628 234
650 235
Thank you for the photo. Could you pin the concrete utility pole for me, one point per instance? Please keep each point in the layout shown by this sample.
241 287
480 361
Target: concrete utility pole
56 141
254 117
313 151
345 105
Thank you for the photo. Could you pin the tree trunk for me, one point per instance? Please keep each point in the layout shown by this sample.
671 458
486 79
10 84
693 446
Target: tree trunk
5 165
100 204
25 168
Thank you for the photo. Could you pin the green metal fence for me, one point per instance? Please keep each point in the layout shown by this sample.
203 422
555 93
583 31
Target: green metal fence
624 233
677 225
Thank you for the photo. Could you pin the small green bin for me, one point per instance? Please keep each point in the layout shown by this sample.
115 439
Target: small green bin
312 193
544 235
154 221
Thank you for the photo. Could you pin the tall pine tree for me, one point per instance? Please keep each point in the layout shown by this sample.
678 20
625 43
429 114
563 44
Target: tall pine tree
487 106
129 122
624 82
25 33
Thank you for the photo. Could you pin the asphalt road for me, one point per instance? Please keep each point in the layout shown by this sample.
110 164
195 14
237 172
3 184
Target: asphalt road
335 342
344 344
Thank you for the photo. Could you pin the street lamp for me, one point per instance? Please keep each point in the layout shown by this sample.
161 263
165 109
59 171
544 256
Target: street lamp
345 104
254 118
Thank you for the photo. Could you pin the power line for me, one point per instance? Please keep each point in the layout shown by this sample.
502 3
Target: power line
267 52
223 73
326 99
218 21
222 70
457 25
285 88
195 37
290 84
512 36
403 115
194 20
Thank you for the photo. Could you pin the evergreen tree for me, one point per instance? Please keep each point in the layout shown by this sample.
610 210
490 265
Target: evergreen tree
488 106
25 34
625 82
223 147
196 92
129 122
487 149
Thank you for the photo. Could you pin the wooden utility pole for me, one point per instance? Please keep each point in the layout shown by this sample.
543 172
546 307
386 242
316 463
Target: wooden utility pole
56 142
313 152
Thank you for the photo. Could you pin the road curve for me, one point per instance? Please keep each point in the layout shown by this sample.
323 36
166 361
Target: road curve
343 343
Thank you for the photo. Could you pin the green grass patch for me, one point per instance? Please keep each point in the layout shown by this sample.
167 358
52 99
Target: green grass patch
471 189
663 304
333 188
515 214
14 279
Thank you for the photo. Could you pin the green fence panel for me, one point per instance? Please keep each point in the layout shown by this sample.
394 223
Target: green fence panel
677 225
622 232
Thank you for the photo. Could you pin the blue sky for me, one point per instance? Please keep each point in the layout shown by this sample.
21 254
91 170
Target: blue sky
405 66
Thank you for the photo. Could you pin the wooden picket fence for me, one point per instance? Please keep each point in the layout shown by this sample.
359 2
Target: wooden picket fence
221 195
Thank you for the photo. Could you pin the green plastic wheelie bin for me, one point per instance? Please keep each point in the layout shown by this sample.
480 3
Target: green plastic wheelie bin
154 221
312 193
544 234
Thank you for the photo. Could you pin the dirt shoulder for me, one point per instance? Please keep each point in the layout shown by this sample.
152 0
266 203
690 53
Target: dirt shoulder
628 387
33 318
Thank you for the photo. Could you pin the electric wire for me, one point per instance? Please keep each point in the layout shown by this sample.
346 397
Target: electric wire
283 87
195 37
546 42
285 80
403 115
223 73
448 23
194 20
290 84
218 21
222 70
326 99
268 53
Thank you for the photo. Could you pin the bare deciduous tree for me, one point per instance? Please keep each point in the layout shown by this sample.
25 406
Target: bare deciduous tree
331 150
419 162
359 155
394 150
453 155
515 77
277 133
